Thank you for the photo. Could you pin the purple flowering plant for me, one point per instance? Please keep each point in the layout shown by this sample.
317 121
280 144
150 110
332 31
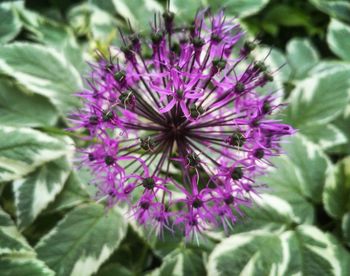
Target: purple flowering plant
181 134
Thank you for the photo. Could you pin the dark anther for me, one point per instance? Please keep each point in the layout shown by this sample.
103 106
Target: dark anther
126 98
239 87
156 37
93 120
193 160
216 38
195 111
127 50
267 76
145 205
266 108
107 116
193 222
259 66
119 76
147 144
197 42
229 199
168 17
179 93
175 48
197 203
109 160
148 183
237 173
237 139
249 46
219 63
91 156
259 153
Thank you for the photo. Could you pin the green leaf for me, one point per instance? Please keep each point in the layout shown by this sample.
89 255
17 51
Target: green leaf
303 251
139 12
24 149
302 56
185 10
269 213
42 70
114 269
312 252
336 193
285 15
23 266
16 255
34 192
14 109
73 194
336 9
11 241
9 22
250 253
346 228
285 181
181 261
82 241
326 136
312 103
311 165
337 39
241 8
54 34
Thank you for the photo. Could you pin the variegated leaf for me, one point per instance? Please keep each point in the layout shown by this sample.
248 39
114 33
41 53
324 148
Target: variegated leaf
11 241
337 38
336 194
34 192
42 70
82 241
301 56
24 149
181 262
14 109
23 266
312 103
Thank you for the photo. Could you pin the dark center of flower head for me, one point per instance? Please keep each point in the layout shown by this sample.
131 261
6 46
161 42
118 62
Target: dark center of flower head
148 183
216 38
197 203
237 173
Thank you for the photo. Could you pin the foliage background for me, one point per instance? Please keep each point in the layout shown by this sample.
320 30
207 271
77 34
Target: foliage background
50 226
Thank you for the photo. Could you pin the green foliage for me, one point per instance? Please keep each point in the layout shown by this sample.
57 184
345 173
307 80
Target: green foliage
49 225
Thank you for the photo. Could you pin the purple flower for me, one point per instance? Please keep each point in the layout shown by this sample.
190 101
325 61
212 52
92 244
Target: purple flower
180 135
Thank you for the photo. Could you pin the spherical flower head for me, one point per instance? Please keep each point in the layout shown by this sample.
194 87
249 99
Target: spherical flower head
181 134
